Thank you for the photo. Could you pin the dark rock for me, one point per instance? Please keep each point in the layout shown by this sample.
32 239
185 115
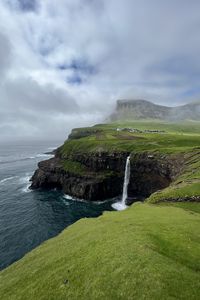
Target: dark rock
105 174
183 199
131 200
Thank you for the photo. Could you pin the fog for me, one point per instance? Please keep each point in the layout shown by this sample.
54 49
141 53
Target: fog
64 66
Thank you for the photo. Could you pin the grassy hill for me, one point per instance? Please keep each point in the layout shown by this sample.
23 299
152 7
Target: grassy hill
149 251
176 137
145 252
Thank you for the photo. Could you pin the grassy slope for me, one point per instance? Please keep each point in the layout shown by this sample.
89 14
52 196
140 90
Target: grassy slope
145 252
189 206
180 138
177 138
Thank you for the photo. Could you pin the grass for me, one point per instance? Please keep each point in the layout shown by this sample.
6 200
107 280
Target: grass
190 206
168 143
145 252
187 185
177 138
175 192
188 127
74 167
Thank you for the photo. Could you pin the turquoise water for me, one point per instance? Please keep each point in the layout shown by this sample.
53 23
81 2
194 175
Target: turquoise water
27 218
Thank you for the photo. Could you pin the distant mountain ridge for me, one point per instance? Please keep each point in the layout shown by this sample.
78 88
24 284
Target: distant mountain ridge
143 109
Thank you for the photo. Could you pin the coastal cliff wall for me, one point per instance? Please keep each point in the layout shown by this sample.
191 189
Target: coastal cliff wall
103 174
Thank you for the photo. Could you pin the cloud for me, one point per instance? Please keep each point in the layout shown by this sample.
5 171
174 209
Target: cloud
5 54
27 95
65 65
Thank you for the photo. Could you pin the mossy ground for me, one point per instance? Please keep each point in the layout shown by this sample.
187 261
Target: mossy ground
145 252
74 167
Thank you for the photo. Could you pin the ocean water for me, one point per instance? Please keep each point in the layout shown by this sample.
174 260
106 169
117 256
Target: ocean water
27 218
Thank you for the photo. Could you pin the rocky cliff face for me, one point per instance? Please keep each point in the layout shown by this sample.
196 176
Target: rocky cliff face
90 186
142 109
104 174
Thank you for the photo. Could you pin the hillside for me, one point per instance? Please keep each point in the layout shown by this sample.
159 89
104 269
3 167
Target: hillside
145 252
142 109
149 251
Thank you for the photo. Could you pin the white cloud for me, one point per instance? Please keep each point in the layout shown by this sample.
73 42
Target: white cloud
72 60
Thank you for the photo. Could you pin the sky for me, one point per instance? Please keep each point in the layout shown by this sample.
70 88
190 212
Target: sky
64 63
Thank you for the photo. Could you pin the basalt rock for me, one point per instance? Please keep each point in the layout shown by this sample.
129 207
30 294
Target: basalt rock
104 174
150 173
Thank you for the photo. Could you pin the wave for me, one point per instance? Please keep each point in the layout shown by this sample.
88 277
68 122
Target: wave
26 158
70 198
14 160
25 181
65 202
26 189
43 155
51 148
7 179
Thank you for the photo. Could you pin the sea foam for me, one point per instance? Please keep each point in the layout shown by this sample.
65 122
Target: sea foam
7 179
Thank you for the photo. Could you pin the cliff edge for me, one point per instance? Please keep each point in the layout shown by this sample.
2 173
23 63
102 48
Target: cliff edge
90 164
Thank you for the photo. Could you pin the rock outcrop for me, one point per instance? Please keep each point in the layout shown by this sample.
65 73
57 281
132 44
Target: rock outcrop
104 173
142 109
90 186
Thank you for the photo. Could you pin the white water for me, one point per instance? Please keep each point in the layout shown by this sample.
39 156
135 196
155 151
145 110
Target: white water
126 181
122 205
7 179
25 181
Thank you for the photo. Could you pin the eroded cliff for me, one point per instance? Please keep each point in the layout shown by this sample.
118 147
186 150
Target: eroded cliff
99 175
90 164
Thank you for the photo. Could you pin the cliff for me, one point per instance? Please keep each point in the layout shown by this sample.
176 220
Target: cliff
104 173
90 164
142 109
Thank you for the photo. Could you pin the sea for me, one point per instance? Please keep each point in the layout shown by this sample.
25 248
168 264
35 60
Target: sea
27 217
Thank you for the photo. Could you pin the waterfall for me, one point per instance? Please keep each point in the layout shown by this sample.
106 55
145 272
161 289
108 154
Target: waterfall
122 204
126 180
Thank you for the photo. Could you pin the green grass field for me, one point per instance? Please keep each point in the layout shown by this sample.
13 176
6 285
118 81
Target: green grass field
177 138
145 252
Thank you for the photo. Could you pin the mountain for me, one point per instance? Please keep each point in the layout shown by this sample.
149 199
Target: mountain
143 109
